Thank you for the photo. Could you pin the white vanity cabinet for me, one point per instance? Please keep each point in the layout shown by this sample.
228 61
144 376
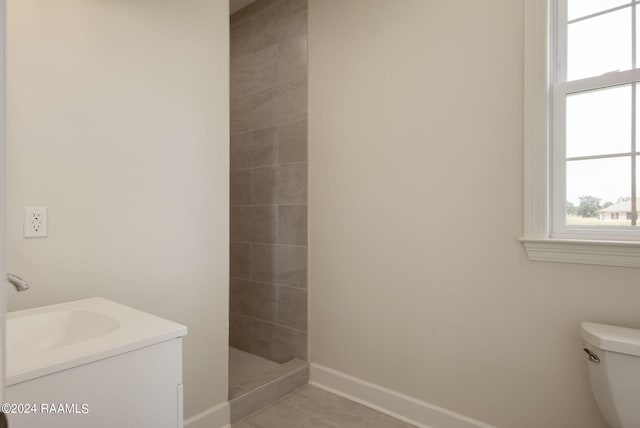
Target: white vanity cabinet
128 377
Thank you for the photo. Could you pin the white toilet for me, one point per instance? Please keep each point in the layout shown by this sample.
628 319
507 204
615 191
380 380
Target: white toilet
614 367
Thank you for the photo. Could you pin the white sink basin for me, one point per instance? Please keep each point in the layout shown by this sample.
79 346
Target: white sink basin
48 330
52 338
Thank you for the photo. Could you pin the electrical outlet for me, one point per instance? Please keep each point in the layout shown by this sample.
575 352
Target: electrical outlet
35 222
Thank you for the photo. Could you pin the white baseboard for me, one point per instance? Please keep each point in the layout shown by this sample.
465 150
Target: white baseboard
392 403
214 417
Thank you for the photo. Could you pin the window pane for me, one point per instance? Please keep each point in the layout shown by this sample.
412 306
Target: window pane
594 184
599 122
599 45
579 8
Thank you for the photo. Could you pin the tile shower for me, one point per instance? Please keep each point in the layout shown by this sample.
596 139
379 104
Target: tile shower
268 250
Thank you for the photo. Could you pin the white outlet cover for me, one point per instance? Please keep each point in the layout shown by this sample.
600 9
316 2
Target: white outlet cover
36 222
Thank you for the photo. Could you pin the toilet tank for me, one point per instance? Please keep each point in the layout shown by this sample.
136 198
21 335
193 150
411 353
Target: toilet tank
614 369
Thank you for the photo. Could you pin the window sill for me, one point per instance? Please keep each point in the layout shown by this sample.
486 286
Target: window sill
605 253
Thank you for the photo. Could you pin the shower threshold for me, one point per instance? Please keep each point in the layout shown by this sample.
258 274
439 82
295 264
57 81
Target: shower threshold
256 382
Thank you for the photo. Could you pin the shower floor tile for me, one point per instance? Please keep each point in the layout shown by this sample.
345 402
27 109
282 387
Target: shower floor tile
245 368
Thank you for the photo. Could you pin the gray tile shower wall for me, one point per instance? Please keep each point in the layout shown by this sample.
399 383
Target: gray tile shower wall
268 253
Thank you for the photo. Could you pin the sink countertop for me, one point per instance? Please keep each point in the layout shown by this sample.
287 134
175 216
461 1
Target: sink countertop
136 329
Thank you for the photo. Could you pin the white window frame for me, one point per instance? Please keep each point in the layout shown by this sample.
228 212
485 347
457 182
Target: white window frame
541 244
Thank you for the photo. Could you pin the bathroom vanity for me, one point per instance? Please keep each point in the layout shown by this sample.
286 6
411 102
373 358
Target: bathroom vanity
93 363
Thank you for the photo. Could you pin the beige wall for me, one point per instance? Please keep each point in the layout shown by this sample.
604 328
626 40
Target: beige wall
118 122
415 105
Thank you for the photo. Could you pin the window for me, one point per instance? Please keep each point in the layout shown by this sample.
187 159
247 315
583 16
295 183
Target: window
593 118
582 110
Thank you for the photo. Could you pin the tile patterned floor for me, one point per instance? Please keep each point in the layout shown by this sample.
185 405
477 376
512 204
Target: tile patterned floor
311 407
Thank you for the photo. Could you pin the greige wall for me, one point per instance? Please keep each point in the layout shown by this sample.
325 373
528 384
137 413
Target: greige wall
118 122
269 179
415 106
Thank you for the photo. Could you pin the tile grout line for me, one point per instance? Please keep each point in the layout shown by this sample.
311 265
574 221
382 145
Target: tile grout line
251 320
277 237
250 185
269 205
267 282
290 122
273 165
265 243
275 125
299 78
268 243
271 323
277 305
